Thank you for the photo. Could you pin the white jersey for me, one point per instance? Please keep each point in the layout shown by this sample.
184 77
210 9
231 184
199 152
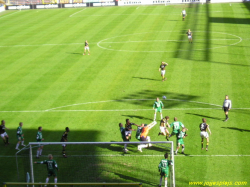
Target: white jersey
227 103
184 12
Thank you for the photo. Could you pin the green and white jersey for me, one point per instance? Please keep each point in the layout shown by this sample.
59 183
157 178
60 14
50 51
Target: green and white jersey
176 126
158 105
164 164
39 136
180 135
19 131
51 164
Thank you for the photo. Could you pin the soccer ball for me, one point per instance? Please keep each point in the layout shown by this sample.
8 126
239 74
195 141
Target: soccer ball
164 97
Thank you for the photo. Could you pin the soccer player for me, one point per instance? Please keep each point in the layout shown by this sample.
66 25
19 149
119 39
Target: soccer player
176 127
39 138
144 135
124 137
190 36
64 139
227 105
20 136
163 129
184 14
86 47
164 169
158 105
203 128
3 133
52 168
162 70
180 142
128 128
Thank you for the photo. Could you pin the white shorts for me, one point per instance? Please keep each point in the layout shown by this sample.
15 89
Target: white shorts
204 135
64 145
189 37
162 72
4 134
163 129
127 133
86 48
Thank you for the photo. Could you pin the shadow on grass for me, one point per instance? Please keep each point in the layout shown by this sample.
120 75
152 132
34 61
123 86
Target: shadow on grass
147 98
145 78
138 117
237 129
205 116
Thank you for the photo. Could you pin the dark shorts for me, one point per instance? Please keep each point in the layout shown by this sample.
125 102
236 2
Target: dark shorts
226 109
143 138
52 173
184 15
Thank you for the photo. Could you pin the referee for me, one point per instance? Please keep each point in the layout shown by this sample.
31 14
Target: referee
227 105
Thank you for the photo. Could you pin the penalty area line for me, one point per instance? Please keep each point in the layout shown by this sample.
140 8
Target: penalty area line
77 12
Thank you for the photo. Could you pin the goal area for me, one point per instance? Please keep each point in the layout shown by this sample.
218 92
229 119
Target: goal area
97 162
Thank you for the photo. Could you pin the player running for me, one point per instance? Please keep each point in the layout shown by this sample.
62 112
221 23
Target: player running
39 138
124 137
144 135
184 14
86 47
51 167
3 133
158 106
180 142
227 105
190 36
64 139
128 128
176 127
163 127
164 169
20 136
162 70
203 128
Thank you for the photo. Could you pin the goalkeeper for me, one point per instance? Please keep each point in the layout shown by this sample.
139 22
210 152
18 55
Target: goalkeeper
164 169
51 167
144 135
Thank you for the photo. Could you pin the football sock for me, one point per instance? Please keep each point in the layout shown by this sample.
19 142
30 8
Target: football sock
166 183
226 116
183 149
37 153
7 140
55 180
154 117
17 145
125 146
47 180
161 116
160 180
202 145
207 144
22 143
41 151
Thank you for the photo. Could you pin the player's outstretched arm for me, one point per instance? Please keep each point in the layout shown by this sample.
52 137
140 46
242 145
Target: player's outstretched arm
209 130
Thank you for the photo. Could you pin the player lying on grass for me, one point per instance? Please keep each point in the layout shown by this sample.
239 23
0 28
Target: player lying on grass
176 127
180 142
124 137
164 169
52 168
144 135
163 127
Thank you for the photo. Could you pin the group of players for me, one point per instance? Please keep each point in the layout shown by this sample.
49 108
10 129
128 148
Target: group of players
179 130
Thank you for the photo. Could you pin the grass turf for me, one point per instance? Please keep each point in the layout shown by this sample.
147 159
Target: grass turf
42 68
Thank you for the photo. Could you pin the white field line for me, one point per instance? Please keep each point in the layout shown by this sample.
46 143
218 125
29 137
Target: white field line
77 12
126 155
124 110
131 100
8 15
40 45
137 8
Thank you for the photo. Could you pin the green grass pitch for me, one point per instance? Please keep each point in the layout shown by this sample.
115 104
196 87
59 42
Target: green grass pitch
46 81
